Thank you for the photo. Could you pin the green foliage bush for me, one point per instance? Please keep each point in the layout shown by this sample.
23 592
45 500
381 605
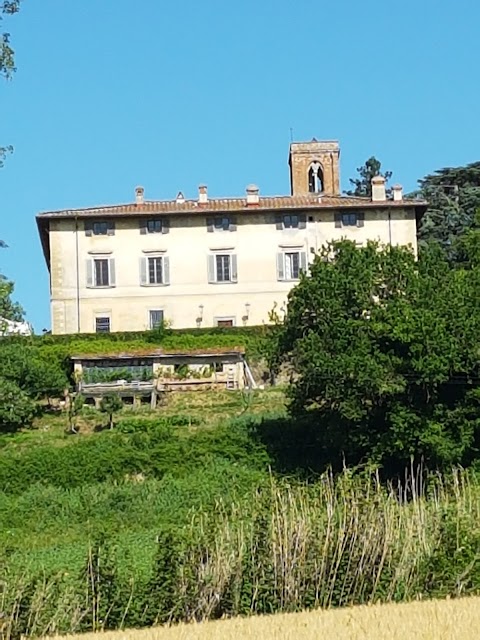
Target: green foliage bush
385 352
152 448
16 408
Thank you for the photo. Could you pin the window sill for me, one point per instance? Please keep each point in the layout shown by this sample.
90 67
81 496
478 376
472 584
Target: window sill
224 282
107 286
154 284
288 280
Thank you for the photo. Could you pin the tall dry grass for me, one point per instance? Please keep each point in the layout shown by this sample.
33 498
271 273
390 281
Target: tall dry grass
288 547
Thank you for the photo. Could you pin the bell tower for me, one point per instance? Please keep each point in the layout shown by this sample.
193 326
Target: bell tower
314 168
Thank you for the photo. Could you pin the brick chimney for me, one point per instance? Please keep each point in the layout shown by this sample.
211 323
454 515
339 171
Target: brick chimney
252 195
397 193
139 195
202 194
378 189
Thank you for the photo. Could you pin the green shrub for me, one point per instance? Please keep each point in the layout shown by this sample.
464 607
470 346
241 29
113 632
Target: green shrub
16 408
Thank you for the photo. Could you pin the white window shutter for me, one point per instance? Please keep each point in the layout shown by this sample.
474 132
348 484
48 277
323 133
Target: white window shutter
111 272
302 221
166 269
143 226
143 270
165 225
303 261
89 271
110 228
280 266
233 267
211 268
360 218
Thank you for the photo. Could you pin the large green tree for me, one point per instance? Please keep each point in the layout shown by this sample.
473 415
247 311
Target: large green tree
453 194
362 186
386 358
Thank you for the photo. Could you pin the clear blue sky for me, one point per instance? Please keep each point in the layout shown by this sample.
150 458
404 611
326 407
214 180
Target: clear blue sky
113 93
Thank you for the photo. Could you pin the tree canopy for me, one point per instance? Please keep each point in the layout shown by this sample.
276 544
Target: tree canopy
362 186
453 194
386 358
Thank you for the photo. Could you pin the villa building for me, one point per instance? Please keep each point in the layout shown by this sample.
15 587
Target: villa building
209 261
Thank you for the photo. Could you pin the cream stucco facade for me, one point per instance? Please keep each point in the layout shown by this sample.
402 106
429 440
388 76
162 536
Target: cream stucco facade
202 262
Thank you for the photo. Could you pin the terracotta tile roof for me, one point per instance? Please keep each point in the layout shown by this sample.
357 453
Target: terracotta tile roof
149 353
221 205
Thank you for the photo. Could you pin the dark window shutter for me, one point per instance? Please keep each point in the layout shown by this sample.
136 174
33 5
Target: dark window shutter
165 225
233 224
360 219
279 222
88 227
110 228
302 221
338 220
210 224
143 226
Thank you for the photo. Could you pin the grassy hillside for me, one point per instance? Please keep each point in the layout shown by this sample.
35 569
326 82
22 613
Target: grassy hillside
432 620
209 508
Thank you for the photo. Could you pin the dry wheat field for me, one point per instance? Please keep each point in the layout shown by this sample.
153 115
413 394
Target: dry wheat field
428 620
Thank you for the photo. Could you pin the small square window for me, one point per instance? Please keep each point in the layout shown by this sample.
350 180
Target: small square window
349 219
290 221
222 223
100 228
102 324
154 226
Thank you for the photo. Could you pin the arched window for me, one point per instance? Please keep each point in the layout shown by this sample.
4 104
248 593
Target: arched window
315 178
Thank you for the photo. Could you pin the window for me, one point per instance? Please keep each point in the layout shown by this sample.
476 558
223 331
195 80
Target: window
291 221
102 324
224 322
349 219
155 225
221 223
156 318
290 264
315 178
99 227
222 267
154 270
101 272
